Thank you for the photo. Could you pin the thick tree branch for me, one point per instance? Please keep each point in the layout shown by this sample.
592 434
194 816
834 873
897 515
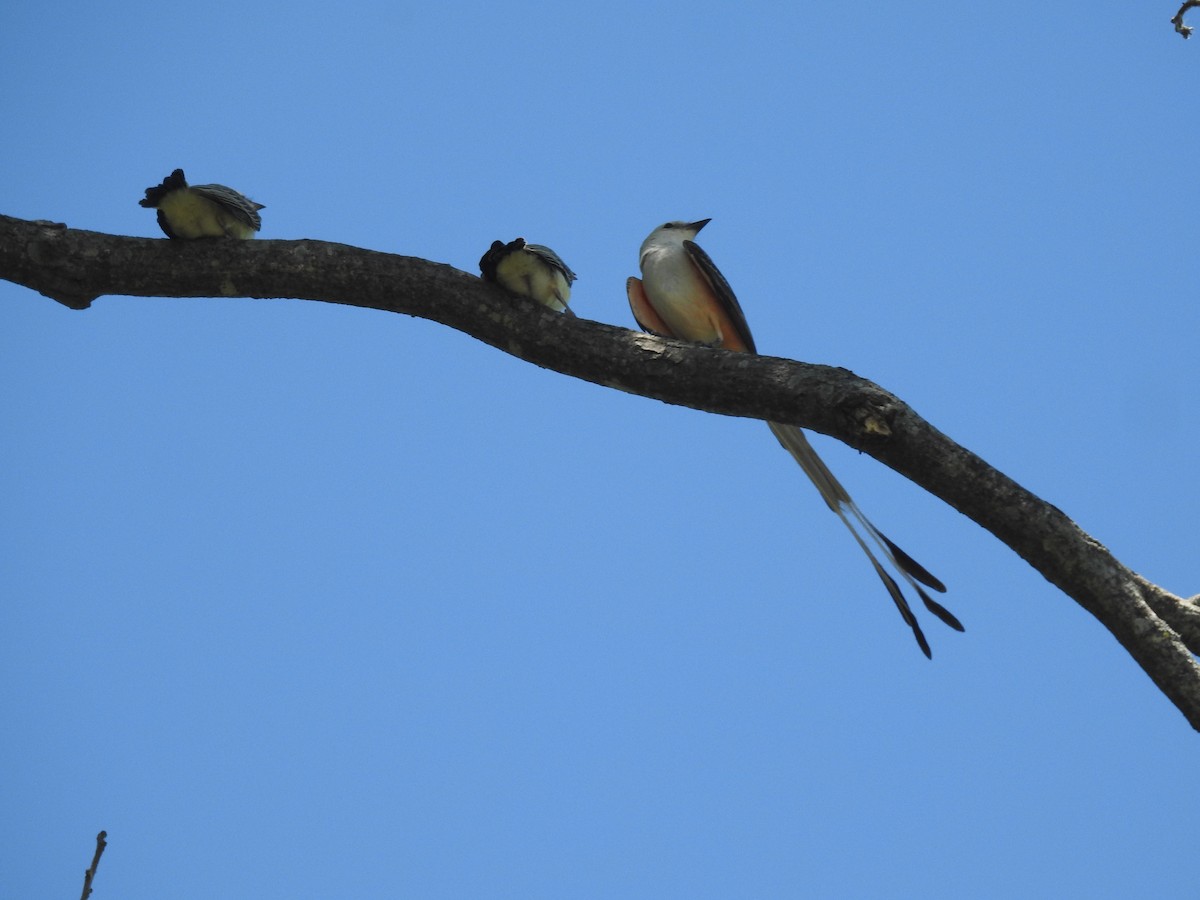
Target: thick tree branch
1159 630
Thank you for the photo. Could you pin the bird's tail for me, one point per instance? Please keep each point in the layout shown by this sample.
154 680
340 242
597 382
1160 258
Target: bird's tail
838 500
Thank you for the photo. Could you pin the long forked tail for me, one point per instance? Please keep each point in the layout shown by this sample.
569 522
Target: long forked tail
838 500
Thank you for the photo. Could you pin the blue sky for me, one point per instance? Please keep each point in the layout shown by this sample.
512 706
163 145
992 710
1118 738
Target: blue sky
311 601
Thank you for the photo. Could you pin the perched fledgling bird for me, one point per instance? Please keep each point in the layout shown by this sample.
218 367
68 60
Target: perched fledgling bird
202 210
529 270
683 295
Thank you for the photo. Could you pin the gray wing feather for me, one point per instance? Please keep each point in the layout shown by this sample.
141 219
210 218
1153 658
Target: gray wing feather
238 205
551 258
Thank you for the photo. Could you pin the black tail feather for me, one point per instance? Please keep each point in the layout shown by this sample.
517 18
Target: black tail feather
912 567
940 611
836 497
906 612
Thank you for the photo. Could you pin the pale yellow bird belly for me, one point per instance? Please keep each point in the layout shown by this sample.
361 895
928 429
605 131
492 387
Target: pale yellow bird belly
192 216
525 274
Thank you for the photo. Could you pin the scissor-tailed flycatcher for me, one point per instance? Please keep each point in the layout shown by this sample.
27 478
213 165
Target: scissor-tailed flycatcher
683 295
202 210
529 270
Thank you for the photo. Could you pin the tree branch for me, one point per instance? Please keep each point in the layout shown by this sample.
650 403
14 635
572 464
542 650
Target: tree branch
1177 19
1161 631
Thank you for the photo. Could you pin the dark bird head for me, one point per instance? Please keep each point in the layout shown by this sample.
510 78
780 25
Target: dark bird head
154 195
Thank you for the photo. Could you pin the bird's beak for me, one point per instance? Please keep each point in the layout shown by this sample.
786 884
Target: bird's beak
696 226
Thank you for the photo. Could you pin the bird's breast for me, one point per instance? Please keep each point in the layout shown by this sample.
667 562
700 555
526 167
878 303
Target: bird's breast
682 298
193 216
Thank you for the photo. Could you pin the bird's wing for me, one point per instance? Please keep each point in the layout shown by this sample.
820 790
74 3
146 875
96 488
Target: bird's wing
237 205
165 224
643 312
552 259
725 297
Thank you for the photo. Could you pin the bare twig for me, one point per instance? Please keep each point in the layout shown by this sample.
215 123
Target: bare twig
1177 19
101 843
